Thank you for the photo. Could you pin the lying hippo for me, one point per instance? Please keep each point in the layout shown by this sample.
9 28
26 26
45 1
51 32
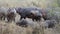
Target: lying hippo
49 23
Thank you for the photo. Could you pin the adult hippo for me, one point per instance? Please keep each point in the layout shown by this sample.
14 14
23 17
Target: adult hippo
8 13
11 14
29 12
3 13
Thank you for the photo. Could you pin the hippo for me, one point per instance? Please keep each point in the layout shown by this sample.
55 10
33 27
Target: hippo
49 23
26 23
11 14
22 23
29 13
8 13
3 13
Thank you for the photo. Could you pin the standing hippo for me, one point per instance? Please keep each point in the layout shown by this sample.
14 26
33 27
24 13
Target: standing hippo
11 14
29 13
3 12
8 13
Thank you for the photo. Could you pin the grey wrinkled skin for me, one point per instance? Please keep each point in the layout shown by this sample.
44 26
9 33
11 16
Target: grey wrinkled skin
29 13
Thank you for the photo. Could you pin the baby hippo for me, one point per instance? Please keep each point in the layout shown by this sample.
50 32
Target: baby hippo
22 23
27 23
49 23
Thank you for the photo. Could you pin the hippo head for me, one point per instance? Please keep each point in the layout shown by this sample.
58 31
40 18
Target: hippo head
36 13
12 10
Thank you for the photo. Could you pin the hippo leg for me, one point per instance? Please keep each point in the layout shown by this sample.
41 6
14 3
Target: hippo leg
36 19
14 19
33 19
4 18
8 19
44 17
1 18
21 18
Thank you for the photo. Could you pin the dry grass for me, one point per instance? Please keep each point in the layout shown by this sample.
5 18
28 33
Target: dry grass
25 3
11 28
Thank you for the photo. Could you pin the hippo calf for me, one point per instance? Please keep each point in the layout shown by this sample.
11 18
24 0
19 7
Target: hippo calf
26 23
49 23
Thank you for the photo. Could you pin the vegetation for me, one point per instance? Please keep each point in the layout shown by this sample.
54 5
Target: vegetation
12 28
